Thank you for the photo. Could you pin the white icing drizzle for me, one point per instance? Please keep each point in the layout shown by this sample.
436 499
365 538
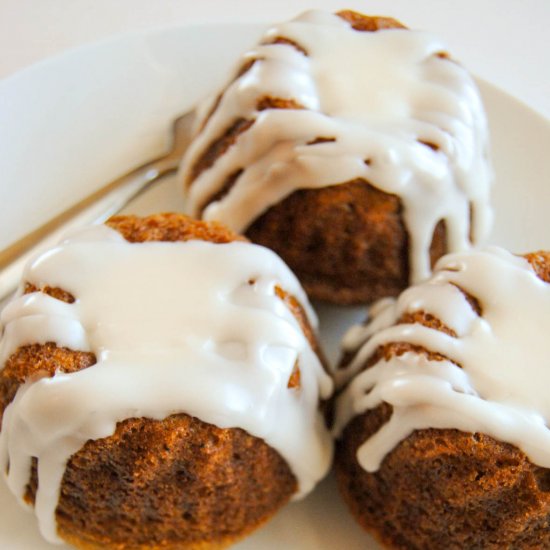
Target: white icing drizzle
379 94
501 389
175 327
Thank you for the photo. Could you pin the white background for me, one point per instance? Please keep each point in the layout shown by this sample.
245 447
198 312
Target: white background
506 42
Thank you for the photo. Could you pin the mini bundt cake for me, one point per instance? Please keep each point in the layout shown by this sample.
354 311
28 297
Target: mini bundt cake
160 387
353 147
444 413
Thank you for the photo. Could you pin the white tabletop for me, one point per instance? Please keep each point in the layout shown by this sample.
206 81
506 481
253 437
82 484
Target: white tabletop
503 41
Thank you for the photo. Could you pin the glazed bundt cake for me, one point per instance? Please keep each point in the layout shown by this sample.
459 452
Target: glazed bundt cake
353 147
444 413
160 387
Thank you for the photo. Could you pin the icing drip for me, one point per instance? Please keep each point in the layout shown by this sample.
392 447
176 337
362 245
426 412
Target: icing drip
497 371
400 116
190 327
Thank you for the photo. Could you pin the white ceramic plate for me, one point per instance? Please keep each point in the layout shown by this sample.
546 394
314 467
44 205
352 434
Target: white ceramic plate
76 121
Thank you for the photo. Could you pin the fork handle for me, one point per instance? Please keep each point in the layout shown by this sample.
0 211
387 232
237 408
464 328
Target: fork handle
95 208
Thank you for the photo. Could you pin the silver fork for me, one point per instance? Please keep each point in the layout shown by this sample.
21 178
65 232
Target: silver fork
95 208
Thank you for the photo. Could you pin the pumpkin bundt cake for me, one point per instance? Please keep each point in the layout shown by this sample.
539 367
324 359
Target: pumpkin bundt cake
444 413
160 387
353 147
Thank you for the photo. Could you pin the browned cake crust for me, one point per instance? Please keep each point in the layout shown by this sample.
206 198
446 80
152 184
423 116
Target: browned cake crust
446 488
179 483
346 243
